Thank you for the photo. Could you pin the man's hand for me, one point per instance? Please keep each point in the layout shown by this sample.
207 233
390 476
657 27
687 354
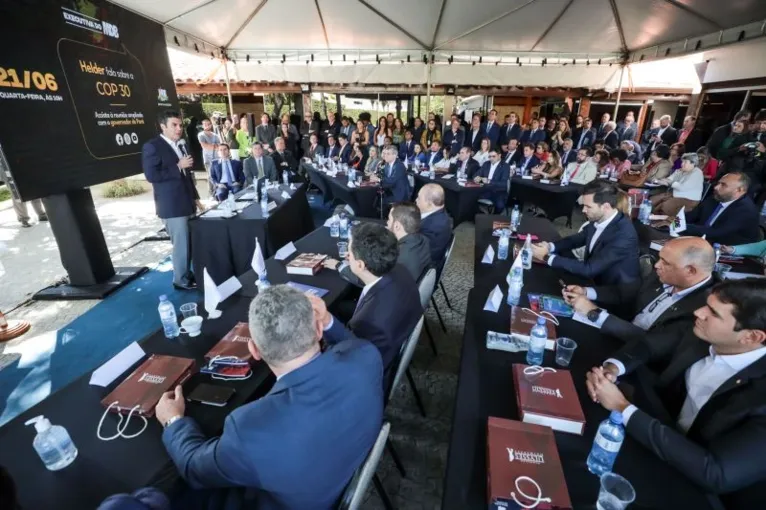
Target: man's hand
604 391
581 304
477 179
760 147
727 249
221 186
331 263
200 207
610 371
171 404
185 162
374 178
320 310
540 250
574 290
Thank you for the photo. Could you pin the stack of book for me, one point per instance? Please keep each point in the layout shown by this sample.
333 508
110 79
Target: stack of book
307 264
548 398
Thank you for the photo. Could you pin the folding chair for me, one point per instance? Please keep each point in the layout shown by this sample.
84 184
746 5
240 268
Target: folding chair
354 494
426 287
403 368
445 261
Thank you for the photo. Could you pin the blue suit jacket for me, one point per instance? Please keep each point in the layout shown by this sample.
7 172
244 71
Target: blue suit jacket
453 140
344 154
492 133
405 152
385 316
422 157
737 224
500 177
334 151
614 258
533 162
439 156
506 136
216 171
570 158
587 140
397 182
174 190
475 145
266 446
528 137
437 227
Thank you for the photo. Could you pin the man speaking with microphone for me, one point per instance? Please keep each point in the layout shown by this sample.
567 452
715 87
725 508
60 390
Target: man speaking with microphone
168 166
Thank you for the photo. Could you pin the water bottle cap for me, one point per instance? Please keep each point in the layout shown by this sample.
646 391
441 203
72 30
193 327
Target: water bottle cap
716 245
615 417
41 423
541 321
163 297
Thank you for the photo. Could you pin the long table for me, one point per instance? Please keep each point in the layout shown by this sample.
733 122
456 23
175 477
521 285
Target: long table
461 202
103 468
485 388
554 199
225 246
361 200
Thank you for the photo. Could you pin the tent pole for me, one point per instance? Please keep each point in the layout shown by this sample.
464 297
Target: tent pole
428 90
619 94
228 87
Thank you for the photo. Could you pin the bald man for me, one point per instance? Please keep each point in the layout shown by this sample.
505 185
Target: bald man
435 223
660 309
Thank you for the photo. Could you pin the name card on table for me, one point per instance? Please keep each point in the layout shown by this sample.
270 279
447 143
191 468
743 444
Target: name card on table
285 195
613 179
105 374
285 251
527 177
489 255
272 206
494 300
448 176
545 181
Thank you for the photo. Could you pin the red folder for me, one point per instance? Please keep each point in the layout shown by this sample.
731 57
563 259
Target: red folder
548 398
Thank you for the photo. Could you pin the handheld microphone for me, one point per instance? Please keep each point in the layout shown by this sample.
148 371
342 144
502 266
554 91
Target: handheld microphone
182 147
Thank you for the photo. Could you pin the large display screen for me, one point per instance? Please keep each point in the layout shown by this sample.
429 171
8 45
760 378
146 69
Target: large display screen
81 84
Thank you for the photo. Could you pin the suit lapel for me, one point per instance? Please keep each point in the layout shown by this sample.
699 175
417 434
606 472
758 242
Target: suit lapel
600 240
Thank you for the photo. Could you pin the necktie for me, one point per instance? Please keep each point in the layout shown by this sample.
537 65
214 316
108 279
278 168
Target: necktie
227 171
577 169
713 216
260 168
388 170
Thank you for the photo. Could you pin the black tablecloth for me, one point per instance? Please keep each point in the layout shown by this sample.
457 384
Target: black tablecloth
225 246
460 202
485 388
555 200
362 200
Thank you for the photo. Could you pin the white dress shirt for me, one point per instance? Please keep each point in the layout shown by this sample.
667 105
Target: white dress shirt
724 205
431 159
481 157
492 168
599 230
365 290
174 146
510 155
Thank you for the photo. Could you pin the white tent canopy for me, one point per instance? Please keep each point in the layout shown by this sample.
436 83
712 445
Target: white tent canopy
295 40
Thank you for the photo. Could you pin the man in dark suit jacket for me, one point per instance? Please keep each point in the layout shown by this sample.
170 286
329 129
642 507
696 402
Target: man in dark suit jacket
690 135
628 130
706 412
601 129
723 132
168 167
333 149
728 217
534 134
611 138
266 457
394 179
226 174
389 307
513 154
475 135
284 159
568 153
265 132
528 159
584 136
465 163
407 147
454 139
331 126
494 174
417 129
435 223
660 307
314 148
259 165
492 129
344 151
510 131
665 134
611 242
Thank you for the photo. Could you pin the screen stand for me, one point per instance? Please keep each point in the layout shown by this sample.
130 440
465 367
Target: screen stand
83 250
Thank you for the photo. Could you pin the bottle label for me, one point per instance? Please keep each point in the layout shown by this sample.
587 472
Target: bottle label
607 445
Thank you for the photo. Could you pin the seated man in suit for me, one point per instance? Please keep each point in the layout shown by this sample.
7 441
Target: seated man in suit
728 217
706 414
266 456
314 149
494 174
333 149
414 248
513 155
226 174
434 155
659 308
284 159
259 165
435 223
567 152
389 306
455 137
583 170
407 147
611 242
528 160
534 134
465 163
394 177
345 150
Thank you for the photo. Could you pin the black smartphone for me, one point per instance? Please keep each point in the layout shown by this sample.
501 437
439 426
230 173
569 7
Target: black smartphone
211 395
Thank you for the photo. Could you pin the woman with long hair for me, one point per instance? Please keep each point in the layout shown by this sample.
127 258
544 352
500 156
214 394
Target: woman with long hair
419 155
373 161
562 133
482 156
398 132
357 157
551 169
361 135
430 135
382 132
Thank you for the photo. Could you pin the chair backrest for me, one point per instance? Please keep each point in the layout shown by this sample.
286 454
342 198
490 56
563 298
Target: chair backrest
646 265
705 190
445 260
426 287
408 349
357 488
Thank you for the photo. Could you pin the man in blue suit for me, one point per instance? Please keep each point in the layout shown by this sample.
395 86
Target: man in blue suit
510 131
333 149
584 136
528 160
434 155
454 138
266 457
394 179
567 153
168 167
344 153
492 129
610 241
407 147
475 135
389 306
226 174
494 174
534 134
435 223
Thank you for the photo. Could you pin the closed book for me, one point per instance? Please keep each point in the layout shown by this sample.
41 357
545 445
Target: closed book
548 398
516 450
522 321
307 264
142 389
234 344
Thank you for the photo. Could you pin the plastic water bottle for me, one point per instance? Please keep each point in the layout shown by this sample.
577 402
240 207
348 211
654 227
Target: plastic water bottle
168 317
537 338
335 227
264 203
285 177
606 444
53 444
231 206
644 211
717 249
565 179
263 283
763 210
514 289
431 173
515 218
502 245
343 227
526 253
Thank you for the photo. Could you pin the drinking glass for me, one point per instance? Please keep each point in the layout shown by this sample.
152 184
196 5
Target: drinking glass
565 348
342 250
189 310
616 492
722 269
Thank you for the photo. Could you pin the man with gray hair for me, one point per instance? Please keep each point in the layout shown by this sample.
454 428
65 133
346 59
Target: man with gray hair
394 180
324 406
611 137
660 306
435 223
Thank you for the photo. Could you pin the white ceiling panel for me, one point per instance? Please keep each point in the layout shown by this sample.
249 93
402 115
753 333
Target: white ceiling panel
217 21
651 22
163 10
728 14
461 16
586 26
302 29
418 17
351 25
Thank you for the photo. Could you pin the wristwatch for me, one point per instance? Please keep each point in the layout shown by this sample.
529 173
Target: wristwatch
594 314
172 420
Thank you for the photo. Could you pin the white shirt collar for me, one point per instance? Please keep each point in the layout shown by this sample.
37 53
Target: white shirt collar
170 142
682 293
369 286
738 362
724 205
603 224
